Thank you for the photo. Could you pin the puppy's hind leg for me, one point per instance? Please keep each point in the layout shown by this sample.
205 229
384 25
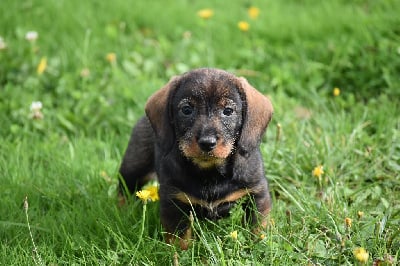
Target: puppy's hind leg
138 162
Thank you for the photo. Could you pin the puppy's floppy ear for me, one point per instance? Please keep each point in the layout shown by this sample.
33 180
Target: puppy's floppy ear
158 112
258 115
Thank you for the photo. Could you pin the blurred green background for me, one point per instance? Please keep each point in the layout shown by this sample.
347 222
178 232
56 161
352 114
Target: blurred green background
297 48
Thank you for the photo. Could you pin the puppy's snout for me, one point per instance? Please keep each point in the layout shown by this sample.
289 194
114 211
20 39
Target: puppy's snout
207 143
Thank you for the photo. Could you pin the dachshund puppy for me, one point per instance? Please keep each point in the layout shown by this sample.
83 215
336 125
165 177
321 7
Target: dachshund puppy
201 138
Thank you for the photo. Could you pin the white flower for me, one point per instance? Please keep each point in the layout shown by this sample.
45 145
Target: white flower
36 106
36 110
31 36
2 44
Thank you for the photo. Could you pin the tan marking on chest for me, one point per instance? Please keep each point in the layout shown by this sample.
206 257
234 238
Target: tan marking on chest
192 200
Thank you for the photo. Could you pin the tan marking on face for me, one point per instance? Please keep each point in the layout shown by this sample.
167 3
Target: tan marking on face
222 150
208 162
217 156
190 148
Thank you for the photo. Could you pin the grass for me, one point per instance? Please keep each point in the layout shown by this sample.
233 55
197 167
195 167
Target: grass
297 52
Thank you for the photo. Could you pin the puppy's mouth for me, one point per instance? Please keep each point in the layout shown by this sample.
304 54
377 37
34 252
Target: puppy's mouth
206 159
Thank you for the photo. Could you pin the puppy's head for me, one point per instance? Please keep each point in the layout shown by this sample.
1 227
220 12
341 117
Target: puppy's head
210 113
207 116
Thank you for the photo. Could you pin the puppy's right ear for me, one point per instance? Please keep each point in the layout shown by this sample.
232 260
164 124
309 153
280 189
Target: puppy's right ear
157 111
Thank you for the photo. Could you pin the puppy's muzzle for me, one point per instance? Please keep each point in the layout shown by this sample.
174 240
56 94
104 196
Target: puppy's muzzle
206 151
207 143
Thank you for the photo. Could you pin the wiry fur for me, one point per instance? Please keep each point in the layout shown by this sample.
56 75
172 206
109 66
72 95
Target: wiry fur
201 136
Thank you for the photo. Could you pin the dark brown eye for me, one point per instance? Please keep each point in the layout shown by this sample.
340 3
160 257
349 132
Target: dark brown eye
227 111
187 110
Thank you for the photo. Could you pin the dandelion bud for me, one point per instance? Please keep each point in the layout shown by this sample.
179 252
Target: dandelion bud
26 205
234 235
111 58
348 222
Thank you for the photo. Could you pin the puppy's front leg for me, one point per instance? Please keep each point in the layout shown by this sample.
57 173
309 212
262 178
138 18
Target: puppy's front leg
177 220
263 205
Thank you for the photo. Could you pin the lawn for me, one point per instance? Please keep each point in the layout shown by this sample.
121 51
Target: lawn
75 76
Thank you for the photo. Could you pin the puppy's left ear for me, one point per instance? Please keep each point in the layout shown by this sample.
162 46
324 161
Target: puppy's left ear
158 113
258 115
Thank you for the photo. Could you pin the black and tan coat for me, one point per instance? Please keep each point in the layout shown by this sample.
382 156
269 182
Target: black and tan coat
201 137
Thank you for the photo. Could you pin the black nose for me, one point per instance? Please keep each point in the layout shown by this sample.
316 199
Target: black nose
207 143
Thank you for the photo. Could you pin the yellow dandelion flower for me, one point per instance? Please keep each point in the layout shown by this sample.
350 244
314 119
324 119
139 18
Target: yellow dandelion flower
336 92
153 189
318 171
234 235
262 236
205 13
360 214
361 254
243 26
348 222
111 57
144 195
42 66
253 12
